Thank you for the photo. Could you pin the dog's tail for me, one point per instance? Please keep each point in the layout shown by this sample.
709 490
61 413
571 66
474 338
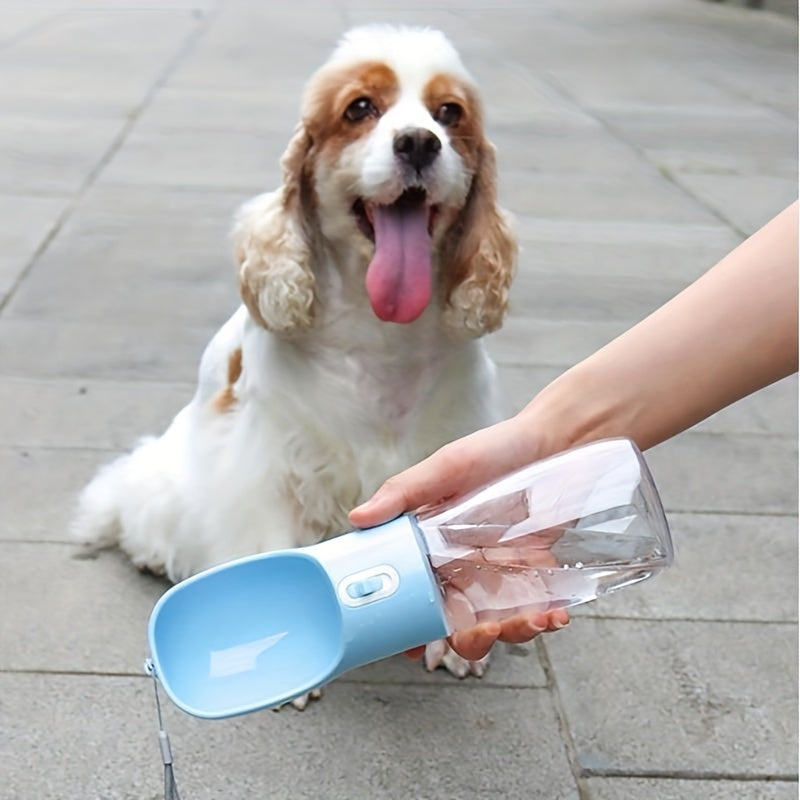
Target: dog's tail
96 523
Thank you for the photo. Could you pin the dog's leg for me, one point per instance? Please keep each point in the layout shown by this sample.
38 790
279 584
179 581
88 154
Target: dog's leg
440 654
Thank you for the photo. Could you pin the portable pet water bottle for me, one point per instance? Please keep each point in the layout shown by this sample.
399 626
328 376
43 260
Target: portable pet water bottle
262 630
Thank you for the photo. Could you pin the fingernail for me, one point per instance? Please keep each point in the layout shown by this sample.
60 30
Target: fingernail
559 625
536 628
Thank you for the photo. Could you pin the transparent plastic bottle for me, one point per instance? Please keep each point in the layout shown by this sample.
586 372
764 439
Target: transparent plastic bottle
264 629
554 534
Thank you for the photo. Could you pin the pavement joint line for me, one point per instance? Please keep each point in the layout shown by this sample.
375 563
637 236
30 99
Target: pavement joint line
33 29
618 134
77 673
567 739
201 25
685 620
691 775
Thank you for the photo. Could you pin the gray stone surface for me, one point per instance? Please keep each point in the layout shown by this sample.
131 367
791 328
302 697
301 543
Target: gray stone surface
637 788
361 741
637 144
674 698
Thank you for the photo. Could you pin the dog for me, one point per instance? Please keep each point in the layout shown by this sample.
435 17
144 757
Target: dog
367 279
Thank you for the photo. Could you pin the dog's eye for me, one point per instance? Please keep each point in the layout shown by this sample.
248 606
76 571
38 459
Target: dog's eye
361 108
448 114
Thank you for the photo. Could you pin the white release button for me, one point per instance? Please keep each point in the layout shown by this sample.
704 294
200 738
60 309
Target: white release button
365 587
368 585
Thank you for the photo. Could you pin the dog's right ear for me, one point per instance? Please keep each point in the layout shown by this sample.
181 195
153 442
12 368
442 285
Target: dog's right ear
272 247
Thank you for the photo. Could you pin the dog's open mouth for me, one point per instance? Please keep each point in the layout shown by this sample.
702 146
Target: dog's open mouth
399 277
364 210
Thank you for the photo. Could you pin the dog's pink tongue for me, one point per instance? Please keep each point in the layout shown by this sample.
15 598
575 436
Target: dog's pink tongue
399 277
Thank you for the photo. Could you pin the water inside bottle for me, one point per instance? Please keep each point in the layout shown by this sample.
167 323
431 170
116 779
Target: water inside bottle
556 568
555 534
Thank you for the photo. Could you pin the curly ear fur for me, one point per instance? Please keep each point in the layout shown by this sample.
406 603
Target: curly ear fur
484 257
272 248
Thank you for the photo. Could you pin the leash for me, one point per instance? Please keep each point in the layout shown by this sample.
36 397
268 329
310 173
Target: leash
170 786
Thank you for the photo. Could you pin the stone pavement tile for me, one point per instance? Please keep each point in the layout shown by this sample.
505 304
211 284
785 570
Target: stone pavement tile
244 160
735 473
520 383
92 62
190 288
86 414
99 735
555 148
108 351
747 201
273 107
138 255
527 341
770 410
511 665
613 250
699 699
47 154
636 197
674 789
248 41
78 614
741 141
727 568
28 474
27 221
655 234
592 298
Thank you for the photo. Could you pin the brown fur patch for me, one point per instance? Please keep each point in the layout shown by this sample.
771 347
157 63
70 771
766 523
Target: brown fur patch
467 134
332 91
225 399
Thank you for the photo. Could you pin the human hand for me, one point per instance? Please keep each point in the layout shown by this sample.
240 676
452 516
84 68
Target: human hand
475 643
456 468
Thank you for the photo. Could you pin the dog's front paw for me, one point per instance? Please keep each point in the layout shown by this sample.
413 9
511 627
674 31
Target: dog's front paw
440 654
301 702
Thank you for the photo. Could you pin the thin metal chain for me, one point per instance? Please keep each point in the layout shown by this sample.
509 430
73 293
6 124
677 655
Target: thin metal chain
170 786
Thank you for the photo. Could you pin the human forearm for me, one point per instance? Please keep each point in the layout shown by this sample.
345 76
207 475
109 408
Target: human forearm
728 334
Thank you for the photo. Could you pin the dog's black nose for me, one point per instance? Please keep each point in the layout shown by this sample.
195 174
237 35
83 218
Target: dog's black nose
417 147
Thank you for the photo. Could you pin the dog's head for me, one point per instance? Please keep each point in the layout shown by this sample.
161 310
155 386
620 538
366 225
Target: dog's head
390 162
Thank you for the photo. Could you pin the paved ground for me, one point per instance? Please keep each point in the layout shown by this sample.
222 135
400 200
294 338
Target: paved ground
638 143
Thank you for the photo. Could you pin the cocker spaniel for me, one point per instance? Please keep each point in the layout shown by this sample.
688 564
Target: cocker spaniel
367 280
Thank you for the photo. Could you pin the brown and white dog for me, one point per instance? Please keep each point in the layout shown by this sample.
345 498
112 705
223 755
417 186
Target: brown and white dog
368 279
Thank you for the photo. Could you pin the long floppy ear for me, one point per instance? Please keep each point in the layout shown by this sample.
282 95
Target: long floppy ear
484 257
272 247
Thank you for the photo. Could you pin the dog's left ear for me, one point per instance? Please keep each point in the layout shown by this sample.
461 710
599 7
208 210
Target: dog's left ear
271 246
479 272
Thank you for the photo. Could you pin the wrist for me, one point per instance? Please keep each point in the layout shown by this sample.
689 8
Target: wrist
576 408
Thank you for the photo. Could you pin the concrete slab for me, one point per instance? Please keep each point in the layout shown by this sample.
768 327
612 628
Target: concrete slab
28 221
106 350
43 154
636 788
28 475
730 567
96 611
748 202
92 62
678 709
620 198
86 414
736 473
410 742
201 159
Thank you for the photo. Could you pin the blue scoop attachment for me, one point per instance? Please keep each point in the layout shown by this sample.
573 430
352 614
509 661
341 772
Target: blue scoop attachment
262 630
